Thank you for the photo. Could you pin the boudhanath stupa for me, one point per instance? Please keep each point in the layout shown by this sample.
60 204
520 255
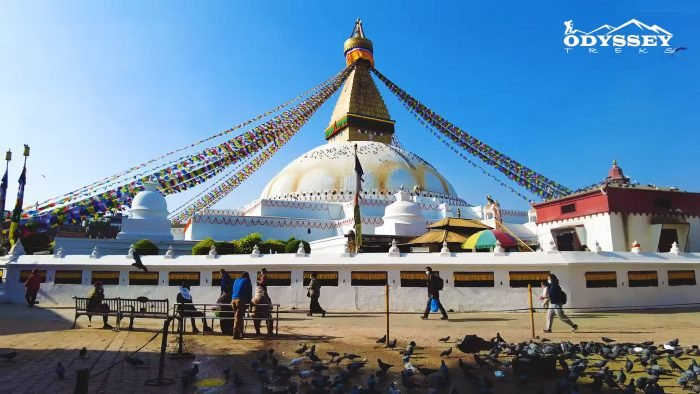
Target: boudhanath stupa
312 197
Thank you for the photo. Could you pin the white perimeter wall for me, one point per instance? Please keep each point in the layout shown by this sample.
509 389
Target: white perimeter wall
570 267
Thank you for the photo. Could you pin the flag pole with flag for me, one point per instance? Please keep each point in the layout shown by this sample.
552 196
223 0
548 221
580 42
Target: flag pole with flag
358 188
3 195
17 212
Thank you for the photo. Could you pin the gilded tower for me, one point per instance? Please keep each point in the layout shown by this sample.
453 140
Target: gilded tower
360 113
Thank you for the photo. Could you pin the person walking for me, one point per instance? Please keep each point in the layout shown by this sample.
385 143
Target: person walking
240 298
435 284
314 292
226 282
543 297
557 298
32 288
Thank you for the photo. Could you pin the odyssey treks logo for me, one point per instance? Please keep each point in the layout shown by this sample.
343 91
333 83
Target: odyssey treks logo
632 35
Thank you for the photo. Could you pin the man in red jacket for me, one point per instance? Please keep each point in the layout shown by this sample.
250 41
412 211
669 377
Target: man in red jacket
32 285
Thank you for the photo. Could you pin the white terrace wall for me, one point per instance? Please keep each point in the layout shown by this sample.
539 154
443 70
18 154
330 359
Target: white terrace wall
570 267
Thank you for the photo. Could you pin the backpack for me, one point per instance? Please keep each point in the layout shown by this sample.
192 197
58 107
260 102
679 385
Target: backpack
557 295
440 283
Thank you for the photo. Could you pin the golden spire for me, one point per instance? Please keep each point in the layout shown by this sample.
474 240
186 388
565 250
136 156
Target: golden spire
358 46
360 113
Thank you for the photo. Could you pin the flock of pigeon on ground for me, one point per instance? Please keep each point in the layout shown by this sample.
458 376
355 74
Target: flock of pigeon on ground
517 364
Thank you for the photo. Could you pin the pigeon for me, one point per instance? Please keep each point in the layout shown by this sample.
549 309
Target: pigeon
60 370
479 361
383 367
301 349
621 377
444 339
628 365
227 373
333 355
292 387
134 362
83 352
192 372
382 339
499 338
392 344
351 356
9 355
608 340
137 262
446 353
313 357
673 365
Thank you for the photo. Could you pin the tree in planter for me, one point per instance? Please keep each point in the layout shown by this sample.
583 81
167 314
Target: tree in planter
225 248
247 243
293 245
202 247
145 247
274 245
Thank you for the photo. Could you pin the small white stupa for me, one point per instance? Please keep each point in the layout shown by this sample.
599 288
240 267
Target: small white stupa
402 217
148 216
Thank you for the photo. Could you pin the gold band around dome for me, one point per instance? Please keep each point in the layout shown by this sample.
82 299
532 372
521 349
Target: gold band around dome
358 42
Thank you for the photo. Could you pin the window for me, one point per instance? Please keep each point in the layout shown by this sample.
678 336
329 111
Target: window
106 277
216 276
643 278
72 277
368 278
24 274
568 208
415 278
279 278
681 278
327 278
183 278
601 279
473 279
524 278
666 239
143 278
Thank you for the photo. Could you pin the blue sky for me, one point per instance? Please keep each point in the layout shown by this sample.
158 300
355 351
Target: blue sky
96 87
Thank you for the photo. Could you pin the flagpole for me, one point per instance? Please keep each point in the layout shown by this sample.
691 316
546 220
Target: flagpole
17 211
3 194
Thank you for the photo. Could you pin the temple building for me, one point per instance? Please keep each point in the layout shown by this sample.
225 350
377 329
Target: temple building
311 198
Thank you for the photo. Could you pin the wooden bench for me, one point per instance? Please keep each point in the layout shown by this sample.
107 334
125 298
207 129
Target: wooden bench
142 308
81 308
120 308
208 311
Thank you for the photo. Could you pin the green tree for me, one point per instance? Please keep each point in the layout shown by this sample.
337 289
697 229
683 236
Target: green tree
225 248
202 247
246 244
145 247
274 245
293 245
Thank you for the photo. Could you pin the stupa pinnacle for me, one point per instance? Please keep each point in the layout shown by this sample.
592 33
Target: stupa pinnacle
360 113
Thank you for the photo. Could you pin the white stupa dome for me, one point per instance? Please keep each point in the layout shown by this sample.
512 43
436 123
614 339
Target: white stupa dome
327 173
148 216
402 217
149 203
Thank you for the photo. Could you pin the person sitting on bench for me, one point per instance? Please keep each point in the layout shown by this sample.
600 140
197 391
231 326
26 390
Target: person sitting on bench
188 310
95 304
262 310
